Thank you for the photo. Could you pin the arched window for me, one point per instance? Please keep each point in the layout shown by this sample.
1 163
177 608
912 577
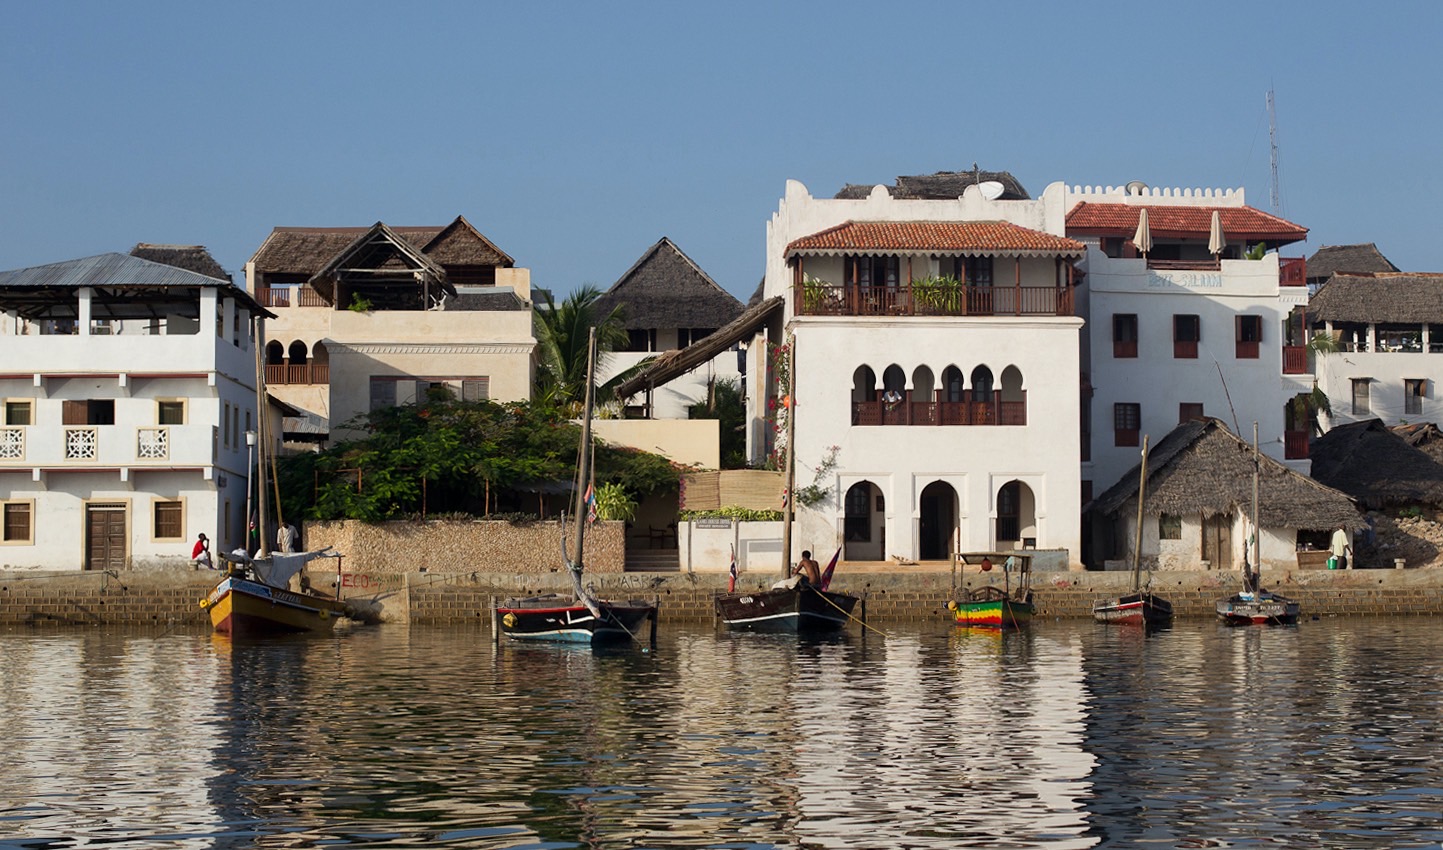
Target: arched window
298 353
981 384
864 384
952 384
894 380
275 354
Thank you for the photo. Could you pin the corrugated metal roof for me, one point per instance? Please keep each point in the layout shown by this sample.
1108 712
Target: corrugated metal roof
107 270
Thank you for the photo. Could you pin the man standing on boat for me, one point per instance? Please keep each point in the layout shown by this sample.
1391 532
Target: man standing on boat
286 538
809 569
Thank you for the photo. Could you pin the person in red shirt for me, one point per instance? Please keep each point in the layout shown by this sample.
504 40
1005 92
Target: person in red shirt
201 553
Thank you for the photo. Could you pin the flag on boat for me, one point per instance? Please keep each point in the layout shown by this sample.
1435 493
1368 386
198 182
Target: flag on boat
590 499
831 568
732 573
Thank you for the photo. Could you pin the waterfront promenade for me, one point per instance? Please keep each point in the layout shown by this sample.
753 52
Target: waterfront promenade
172 596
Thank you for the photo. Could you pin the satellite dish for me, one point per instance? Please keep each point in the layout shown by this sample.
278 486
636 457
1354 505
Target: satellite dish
991 189
1136 187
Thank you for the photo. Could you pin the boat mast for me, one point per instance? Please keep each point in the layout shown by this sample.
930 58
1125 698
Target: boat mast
583 460
262 443
1137 537
1257 569
790 403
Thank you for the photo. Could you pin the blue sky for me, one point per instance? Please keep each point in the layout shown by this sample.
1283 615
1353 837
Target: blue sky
576 135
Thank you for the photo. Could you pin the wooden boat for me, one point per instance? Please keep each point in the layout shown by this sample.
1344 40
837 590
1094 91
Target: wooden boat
254 600
580 617
992 607
1258 607
1140 607
1253 605
792 608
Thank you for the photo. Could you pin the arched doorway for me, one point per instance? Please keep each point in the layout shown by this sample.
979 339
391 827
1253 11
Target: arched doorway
297 353
1016 516
863 523
937 522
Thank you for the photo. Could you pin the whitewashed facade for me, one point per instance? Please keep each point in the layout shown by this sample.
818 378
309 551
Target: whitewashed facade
127 387
880 369
1182 332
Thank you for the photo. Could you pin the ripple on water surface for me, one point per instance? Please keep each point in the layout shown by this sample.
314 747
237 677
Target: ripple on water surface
1066 735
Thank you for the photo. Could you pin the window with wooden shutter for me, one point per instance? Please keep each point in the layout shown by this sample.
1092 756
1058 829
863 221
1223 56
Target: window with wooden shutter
16 526
74 413
168 516
476 389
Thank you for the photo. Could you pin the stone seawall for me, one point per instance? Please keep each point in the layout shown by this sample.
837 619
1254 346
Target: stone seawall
460 546
172 597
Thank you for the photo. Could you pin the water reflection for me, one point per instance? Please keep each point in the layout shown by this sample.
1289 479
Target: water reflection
1064 735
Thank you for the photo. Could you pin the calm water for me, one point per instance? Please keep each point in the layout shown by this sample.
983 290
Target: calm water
1069 735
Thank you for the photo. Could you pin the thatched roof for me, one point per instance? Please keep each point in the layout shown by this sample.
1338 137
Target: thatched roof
665 289
1424 436
305 250
1408 298
380 251
1330 259
1202 469
941 186
673 364
1377 466
193 258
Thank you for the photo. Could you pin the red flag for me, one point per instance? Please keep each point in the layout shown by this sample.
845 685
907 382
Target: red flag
732 579
831 567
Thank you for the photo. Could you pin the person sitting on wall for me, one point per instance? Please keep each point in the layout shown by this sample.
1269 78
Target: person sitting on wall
200 554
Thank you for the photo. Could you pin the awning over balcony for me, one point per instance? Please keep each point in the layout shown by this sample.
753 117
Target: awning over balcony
979 238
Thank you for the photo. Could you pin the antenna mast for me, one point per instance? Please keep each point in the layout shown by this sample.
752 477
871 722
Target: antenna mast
1276 196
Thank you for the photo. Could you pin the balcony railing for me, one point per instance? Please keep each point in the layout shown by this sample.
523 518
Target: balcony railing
1246 349
813 299
1295 360
1295 445
152 443
303 373
994 412
1292 271
12 443
81 443
280 296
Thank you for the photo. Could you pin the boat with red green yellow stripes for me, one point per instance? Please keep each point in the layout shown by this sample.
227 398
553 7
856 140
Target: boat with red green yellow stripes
992 607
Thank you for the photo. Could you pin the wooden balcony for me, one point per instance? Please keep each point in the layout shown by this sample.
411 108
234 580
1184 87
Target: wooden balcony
994 412
812 299
304 373
1295 445
1246 349
280 296
1295 360
1292 271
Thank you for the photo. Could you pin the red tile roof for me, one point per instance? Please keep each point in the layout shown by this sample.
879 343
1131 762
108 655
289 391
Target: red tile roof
990 237
1092 219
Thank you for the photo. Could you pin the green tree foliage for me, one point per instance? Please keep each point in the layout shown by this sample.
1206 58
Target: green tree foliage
561 335
724 402
449 456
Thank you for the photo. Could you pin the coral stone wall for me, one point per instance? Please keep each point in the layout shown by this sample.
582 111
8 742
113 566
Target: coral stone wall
454 546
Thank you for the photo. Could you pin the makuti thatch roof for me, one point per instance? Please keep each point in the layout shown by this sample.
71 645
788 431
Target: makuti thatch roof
193 258
1330 259
306 250
665 289
1202 469
1376 466
1407 298
941 186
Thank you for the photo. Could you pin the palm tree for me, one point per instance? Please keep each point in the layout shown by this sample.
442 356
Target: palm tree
561 335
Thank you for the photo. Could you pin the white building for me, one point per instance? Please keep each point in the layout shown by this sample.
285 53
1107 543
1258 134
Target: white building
936 349
1387 330
368 317
1190 329
128 386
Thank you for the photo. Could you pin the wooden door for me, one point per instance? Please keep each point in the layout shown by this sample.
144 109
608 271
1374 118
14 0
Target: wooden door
1217 541
105 537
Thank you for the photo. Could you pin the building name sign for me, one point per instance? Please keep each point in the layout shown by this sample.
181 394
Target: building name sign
1187 280
713 522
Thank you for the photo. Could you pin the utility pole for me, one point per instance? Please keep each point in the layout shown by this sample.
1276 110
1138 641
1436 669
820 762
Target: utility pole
1276 195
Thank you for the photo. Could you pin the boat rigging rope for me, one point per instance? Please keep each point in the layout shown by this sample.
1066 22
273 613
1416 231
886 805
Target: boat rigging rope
845 612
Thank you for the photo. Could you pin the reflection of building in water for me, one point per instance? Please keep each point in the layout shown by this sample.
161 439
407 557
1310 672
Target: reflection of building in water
943 749
72 702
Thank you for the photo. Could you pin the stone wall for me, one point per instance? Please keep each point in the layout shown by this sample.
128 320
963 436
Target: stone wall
464 546
171 597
